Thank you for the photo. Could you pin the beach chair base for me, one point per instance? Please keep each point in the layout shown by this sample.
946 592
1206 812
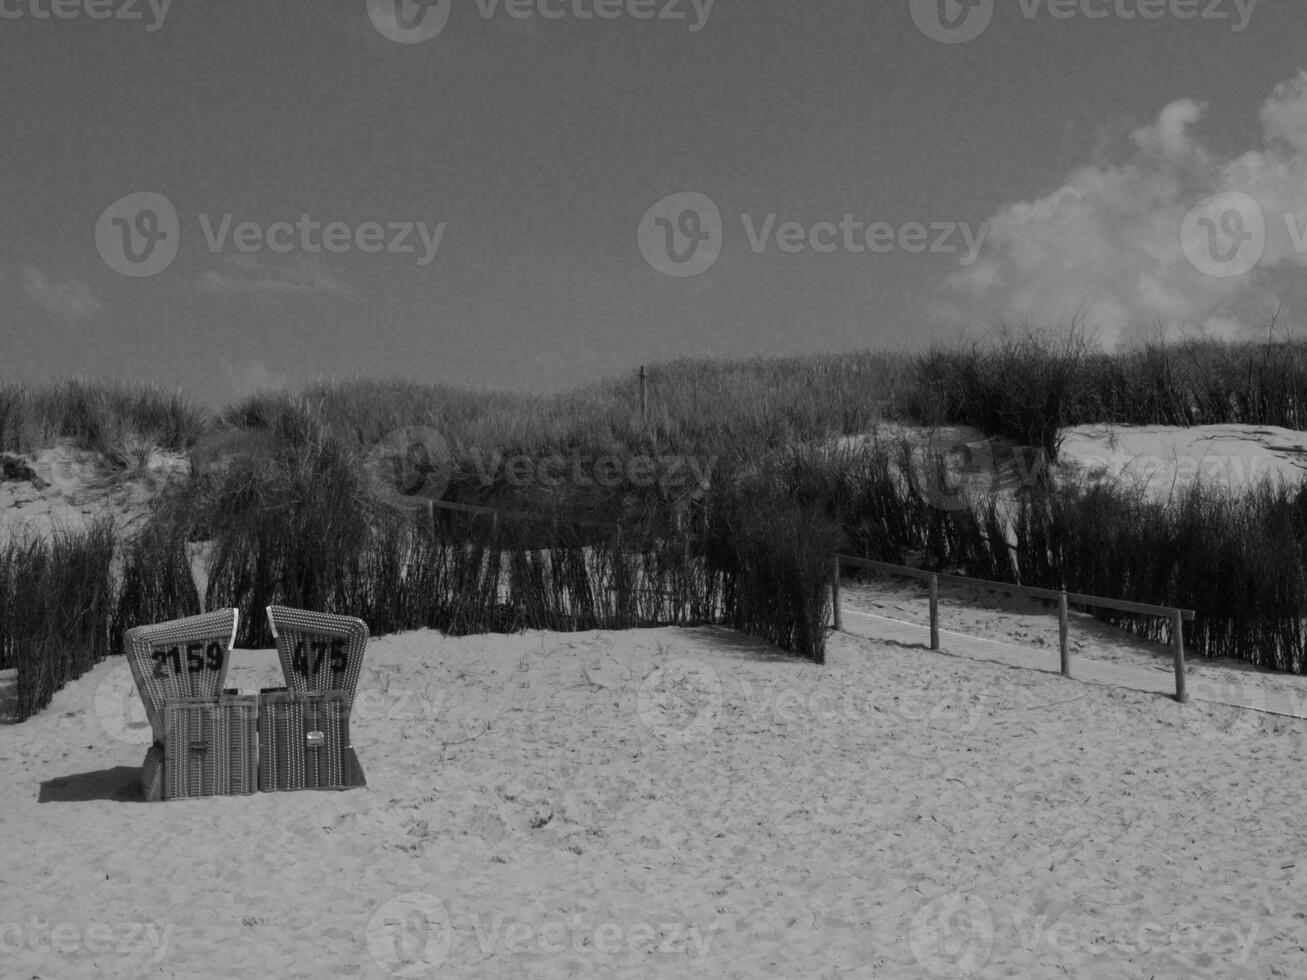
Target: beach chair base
152 774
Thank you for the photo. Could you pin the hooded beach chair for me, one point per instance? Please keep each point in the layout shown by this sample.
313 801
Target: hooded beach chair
205 739
304 727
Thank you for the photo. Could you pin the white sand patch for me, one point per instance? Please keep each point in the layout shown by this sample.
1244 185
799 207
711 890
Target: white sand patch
1160 459
892 814
1156 459
74 488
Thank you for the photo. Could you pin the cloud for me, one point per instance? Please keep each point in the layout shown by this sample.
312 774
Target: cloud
1106 245
249 377
245 274
68 297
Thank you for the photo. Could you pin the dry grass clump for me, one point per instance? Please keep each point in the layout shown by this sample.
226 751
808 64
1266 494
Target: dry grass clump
108 417
57 602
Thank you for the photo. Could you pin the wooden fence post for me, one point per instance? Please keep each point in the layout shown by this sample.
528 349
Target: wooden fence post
934 611
1062 628
1177 647
835 596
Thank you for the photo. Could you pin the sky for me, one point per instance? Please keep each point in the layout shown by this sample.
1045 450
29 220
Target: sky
536 194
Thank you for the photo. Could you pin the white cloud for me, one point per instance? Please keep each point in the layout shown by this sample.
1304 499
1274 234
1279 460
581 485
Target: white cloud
1106 244
67 297
245 274
249 377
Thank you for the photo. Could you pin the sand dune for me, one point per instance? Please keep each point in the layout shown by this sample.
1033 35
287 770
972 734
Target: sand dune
671 803
64 488
1157 459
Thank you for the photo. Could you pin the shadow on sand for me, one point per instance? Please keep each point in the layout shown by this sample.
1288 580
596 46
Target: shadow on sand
121 784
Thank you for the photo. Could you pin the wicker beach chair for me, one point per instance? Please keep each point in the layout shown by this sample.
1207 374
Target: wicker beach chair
304 727
179 668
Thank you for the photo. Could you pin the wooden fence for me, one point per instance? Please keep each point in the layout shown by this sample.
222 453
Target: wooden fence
1062 598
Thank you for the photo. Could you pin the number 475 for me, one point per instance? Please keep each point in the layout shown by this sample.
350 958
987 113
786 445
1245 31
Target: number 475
308 664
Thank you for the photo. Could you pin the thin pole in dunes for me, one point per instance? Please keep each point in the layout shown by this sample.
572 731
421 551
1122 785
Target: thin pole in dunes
835 595
1177 646
934 612
1062 627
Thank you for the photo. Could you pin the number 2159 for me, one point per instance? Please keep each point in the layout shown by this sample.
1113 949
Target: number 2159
199 658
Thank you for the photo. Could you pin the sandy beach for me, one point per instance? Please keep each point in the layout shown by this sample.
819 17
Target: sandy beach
676 803
671 803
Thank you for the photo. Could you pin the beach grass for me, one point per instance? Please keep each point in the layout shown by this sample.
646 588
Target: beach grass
286 492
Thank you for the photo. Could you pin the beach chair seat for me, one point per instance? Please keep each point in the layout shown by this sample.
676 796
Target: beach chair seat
184 658
211 747
319 651
304 741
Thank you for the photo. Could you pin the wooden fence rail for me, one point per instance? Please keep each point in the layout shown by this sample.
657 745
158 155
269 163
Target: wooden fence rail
1064 600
